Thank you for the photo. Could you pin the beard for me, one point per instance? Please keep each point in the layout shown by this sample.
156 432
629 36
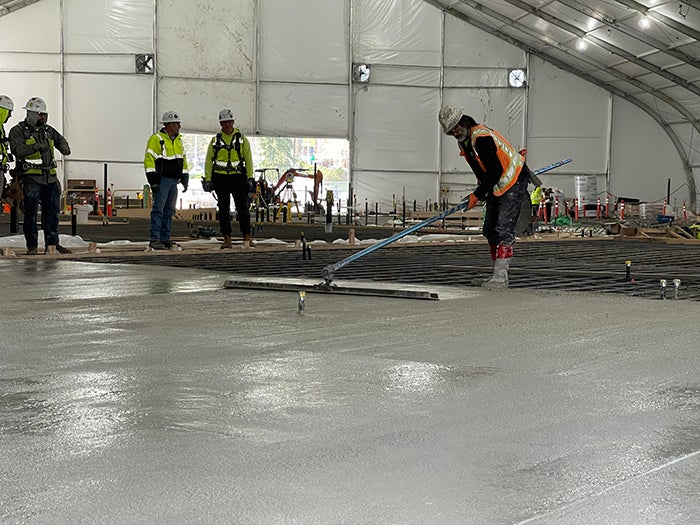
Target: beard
463 135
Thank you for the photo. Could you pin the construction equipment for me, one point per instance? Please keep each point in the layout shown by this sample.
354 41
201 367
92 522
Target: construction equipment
285 184
263 191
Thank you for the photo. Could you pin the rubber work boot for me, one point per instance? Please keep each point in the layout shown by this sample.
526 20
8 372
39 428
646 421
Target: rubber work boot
156 245
62 249
499 279
227 242
170 245
247 241
478 281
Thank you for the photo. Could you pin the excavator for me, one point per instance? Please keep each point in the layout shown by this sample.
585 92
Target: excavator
283 188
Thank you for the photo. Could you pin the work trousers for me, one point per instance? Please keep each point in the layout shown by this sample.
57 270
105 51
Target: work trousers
164 201
232 185
49 196
502 212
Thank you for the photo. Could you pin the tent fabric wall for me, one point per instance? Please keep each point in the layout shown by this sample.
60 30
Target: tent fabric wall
285 70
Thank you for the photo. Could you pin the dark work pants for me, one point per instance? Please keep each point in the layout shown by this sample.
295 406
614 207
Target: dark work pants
236 186
49 196
502 212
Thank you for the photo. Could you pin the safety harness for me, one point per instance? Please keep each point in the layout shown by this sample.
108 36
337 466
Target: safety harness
235 144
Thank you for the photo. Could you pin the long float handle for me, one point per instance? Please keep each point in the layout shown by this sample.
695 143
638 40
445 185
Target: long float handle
330 270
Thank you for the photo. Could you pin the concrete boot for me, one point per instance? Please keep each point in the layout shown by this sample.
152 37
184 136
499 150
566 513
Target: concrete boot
499 279
478 281
227 242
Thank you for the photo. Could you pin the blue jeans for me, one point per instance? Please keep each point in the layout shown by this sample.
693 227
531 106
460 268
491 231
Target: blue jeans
163 209
49 196
502 212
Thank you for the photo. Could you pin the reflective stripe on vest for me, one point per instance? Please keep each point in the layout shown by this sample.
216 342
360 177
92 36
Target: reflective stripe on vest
510 159
226 167
38 166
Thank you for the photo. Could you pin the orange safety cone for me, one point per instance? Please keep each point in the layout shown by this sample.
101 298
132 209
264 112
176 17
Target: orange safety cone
607 205
622 209
556 207
685 213
109 202
597 209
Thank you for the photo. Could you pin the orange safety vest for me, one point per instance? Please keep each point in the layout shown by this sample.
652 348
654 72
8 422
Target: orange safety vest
511 160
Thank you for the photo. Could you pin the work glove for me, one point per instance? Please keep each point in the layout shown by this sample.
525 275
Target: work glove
207 186
41 146
473 200
185 181
154 180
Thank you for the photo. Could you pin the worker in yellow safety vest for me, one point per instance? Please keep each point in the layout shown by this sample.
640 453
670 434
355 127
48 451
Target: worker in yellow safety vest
165 163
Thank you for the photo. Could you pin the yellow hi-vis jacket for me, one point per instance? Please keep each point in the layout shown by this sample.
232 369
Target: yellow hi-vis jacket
536 196
165 156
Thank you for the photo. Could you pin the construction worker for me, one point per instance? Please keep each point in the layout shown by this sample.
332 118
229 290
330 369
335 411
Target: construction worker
228 171
502 178
32 142
6 107
166 165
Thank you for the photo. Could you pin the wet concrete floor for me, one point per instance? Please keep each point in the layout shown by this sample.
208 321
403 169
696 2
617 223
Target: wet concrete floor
145 394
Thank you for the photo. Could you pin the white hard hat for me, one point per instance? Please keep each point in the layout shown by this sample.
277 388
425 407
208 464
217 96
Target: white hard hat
170 116
225 114
6 102
449 117
35 104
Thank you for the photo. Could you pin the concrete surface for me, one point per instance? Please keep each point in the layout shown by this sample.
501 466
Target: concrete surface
134 394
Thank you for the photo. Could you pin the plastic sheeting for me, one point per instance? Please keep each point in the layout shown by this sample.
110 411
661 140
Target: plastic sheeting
124 26
308 43
643 176
406 32
206 39
383 188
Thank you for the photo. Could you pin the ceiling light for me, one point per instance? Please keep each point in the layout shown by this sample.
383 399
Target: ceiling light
644 22
581 45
